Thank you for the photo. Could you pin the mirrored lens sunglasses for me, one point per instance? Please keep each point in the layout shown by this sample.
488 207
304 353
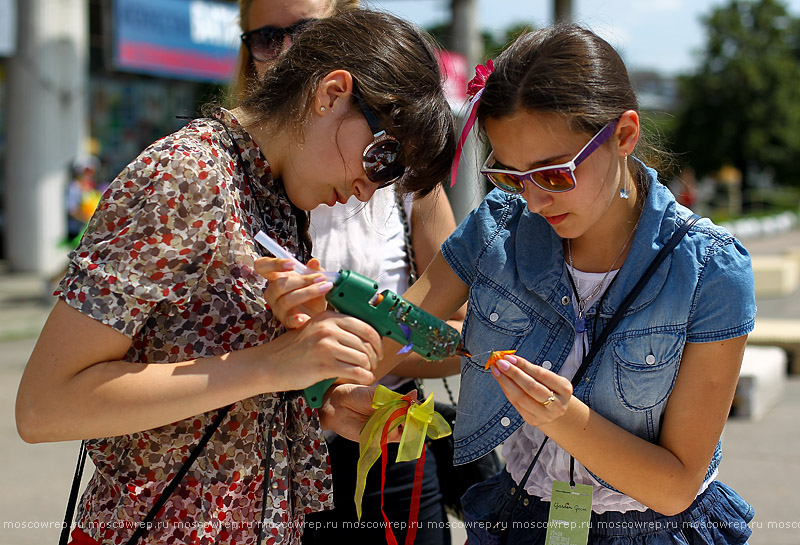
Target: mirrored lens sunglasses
266 43
381 158
552 178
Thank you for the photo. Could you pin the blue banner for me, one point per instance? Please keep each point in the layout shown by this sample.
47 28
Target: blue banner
185 39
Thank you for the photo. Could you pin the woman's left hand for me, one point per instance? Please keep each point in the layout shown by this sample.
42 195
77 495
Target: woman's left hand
540 396
347 407
294 298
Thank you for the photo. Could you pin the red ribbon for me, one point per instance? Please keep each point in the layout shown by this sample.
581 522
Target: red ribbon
482 73
416 491
474 89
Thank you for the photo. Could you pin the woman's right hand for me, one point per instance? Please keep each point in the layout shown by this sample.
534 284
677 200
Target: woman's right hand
327 345
293 298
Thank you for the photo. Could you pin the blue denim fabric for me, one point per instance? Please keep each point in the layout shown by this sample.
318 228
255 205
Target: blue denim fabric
520 298
718 516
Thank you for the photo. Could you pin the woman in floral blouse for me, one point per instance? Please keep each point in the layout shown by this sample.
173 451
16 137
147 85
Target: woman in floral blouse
161 320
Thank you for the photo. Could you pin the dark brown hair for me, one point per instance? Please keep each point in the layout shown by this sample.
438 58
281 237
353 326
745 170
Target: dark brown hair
563 69
397 74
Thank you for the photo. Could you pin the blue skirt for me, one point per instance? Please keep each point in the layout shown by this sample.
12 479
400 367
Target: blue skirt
718 516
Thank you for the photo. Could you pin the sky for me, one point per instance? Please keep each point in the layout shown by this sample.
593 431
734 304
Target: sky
664 35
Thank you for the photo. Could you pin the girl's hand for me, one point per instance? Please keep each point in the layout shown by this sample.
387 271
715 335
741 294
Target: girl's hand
347 407
328 345
294 298
540 396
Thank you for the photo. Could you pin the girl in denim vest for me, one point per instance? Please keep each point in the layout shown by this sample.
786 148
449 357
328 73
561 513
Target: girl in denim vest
543 263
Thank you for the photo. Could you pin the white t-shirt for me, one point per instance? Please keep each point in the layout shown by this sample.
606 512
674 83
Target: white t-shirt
368 239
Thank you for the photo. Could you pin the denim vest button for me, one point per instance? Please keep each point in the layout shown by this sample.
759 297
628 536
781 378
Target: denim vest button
505 421
565 300
493 316
650 359
547 364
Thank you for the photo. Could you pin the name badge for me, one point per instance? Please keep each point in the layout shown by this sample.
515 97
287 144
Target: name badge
570 514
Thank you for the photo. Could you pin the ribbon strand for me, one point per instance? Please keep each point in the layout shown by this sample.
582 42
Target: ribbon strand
419 421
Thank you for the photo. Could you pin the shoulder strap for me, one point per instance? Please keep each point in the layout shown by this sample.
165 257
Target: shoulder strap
635 291
143 526
407 246
73 495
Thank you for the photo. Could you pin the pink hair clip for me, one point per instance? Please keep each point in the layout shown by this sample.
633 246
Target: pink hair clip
474 90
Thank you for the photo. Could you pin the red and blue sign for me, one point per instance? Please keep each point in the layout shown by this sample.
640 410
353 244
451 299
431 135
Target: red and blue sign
184 39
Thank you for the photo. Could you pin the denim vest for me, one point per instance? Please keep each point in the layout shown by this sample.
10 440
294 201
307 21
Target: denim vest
520 298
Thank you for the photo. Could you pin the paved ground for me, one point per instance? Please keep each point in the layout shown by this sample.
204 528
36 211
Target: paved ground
761 459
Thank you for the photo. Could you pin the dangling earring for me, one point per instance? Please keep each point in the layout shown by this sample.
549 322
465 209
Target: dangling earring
623 191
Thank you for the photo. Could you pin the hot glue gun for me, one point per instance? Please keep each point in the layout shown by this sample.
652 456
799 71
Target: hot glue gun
391 316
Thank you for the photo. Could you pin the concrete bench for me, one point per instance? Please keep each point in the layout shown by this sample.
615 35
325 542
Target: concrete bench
761 382
775 275
781 333
793 252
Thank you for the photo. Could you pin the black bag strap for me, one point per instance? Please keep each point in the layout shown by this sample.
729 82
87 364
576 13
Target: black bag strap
142 527
73 495
412 277
497 527
597 344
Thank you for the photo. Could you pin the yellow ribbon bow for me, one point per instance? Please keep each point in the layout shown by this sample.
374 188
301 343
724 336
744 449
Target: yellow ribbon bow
392 410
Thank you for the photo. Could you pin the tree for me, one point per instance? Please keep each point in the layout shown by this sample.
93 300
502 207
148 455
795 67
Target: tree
742 107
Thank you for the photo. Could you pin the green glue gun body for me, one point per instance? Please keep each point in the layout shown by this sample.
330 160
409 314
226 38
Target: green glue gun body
391 316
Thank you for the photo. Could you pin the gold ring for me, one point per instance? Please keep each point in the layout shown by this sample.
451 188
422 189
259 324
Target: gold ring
549 399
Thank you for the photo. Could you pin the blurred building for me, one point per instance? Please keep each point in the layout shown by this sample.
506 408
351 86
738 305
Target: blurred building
111 81
656 91
106 78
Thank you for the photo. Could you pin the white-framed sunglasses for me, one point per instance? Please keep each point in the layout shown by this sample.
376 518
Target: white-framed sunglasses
552 178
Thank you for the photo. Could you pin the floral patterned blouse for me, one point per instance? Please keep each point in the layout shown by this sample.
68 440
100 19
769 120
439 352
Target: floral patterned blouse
168 261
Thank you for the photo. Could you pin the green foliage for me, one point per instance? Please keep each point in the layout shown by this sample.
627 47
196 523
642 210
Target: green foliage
742 107
493 45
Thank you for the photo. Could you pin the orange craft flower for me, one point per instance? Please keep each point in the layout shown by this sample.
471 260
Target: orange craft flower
496 355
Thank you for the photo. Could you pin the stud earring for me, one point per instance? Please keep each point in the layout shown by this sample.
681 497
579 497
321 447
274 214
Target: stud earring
623 191
322 108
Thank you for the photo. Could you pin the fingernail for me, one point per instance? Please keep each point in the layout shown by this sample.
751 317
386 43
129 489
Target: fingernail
318 279
495 372
325 287
510 359
287 265
503 365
